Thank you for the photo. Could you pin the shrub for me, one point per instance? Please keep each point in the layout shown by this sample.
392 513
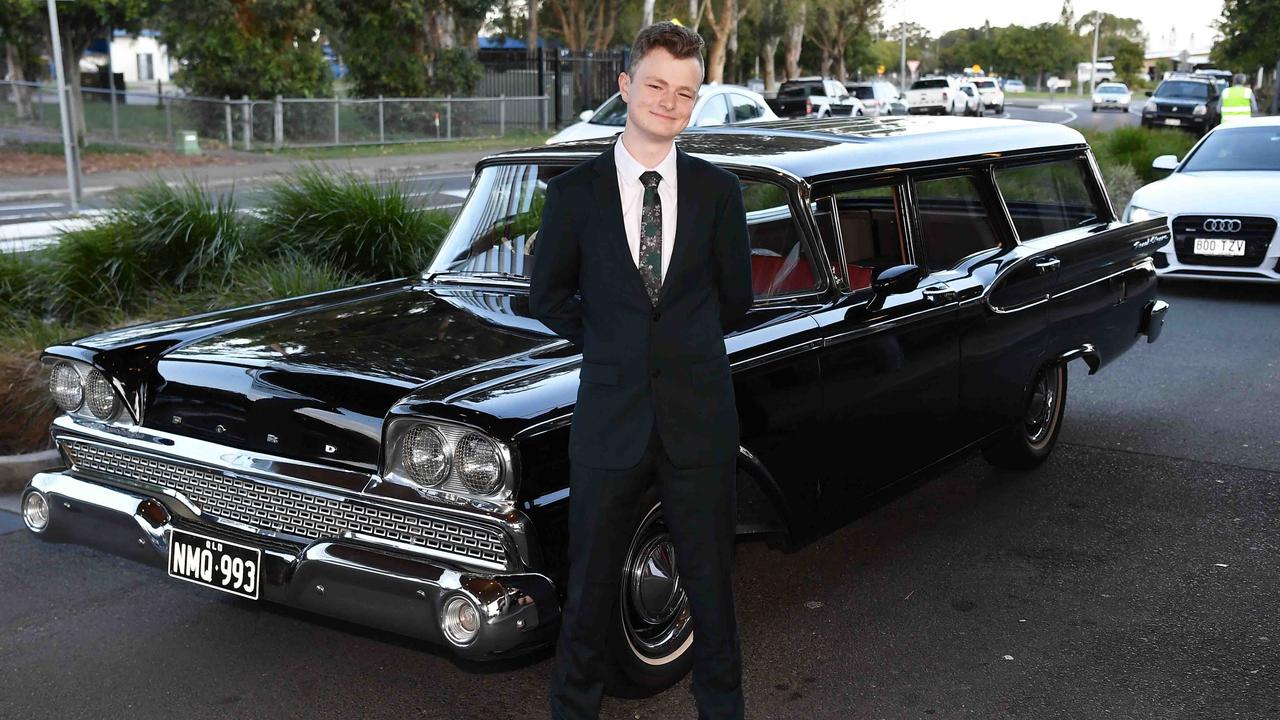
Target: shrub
159 236
364 228
1122 181
1137 147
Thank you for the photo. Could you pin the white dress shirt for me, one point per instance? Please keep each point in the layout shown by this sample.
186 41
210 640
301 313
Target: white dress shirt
631 190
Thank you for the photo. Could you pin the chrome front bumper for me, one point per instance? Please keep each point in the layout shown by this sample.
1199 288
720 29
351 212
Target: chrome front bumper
337 577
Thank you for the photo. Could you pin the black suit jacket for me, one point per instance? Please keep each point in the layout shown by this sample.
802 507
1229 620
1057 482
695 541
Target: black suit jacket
645 364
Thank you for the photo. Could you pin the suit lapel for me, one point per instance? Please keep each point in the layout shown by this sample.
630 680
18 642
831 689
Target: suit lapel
685 208
609 210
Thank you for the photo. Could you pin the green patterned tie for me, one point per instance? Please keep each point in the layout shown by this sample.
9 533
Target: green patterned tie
651 235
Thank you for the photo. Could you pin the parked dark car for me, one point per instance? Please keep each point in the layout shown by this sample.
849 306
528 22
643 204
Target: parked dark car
1186 102
396 453
815 97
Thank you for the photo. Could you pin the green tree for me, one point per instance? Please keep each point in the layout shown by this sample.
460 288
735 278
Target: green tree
24 32
79 24
399 48
1250 35
1045 49
259 48
834 23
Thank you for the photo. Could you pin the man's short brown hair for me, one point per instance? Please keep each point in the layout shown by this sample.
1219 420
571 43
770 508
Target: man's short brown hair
678 40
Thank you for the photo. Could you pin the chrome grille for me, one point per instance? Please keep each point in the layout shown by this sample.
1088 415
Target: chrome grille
288 510
1257 233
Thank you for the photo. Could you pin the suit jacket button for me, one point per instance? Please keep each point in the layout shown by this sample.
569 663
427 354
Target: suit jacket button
657 316
655 373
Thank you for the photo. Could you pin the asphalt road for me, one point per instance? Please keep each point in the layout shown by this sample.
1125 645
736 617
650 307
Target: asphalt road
1134 575
1077 113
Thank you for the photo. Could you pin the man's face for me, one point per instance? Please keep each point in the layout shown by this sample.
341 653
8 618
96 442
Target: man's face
661 94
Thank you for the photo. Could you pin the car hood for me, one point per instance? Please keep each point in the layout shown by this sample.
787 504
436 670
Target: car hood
1240 192
315 381
584 131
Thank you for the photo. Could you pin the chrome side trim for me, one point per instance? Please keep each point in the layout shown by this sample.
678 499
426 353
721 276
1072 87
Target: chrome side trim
1143 265
856 333
752 362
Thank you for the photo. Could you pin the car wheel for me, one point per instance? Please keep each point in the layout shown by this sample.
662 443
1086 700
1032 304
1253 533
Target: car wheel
1000 110
1093 109
1027 443
651 636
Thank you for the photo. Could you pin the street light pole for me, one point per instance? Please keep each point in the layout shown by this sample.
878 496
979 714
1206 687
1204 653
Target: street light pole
902 68
1093 66
70 151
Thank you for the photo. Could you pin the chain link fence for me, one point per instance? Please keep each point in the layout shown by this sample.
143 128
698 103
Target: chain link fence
29 111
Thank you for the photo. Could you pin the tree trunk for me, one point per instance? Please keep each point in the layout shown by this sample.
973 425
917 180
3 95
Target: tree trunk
21 93
647 18
768 49
71 65
825 69
695 17
531 41
793 40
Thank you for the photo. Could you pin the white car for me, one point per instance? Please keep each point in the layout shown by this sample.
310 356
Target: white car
716 105
1112 95
1221 205
879 97
992 95
937 95
968 101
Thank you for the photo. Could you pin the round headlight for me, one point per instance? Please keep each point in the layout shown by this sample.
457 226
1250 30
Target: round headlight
424 455
478 463
66 386
99 397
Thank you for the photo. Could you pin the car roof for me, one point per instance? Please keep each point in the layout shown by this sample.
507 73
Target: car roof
1189 78
808 148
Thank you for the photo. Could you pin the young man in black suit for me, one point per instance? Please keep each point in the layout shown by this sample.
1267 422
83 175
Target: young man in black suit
643 261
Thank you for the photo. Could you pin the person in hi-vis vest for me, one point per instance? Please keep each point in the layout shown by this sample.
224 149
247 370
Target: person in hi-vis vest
1238 102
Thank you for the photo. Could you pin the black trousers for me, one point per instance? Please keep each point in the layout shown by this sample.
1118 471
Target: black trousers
698 505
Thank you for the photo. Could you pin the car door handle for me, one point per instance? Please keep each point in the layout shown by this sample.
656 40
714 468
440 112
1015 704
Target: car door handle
1047 265
938 293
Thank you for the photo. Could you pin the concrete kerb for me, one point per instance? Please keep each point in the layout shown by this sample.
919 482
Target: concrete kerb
16 470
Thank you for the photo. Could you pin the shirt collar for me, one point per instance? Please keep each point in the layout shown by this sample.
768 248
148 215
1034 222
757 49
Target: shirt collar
629 168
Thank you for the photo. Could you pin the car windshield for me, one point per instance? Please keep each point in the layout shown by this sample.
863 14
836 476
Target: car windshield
929 84
1112 89
985 84
1182 89
864 92
1240 148
612 113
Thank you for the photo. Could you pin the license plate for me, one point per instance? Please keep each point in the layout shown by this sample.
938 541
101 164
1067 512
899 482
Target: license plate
218 564
1172 121
1218 246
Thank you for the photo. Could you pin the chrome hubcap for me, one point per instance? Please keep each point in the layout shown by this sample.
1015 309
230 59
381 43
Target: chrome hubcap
655 608
1042 408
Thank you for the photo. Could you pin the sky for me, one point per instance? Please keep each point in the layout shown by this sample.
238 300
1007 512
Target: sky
1185 19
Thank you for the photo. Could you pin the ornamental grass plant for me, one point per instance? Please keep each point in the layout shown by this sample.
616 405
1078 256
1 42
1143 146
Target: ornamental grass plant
167 251
371 229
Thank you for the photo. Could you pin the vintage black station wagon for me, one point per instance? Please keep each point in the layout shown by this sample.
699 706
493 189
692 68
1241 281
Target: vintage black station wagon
395 454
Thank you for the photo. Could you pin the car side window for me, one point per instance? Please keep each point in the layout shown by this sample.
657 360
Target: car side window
954 221
870 232
780 262
744 108
1047 197
714 110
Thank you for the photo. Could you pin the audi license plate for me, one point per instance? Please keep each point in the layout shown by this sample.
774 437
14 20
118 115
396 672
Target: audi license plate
218 564
1172 121
1218 246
